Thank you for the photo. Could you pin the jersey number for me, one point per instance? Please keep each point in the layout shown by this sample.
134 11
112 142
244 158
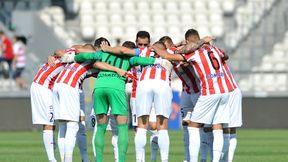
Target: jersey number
214 61
114 60
52 116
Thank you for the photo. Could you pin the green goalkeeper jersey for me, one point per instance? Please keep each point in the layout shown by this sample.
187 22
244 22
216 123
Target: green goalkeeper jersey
112 79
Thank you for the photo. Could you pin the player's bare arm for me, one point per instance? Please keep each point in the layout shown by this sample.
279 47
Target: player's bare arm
190 47
165 55
120 50
105 66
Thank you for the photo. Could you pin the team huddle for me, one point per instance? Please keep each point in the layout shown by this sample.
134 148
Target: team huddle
210 101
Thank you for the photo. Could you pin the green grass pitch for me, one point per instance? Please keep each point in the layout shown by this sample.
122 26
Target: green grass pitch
254 145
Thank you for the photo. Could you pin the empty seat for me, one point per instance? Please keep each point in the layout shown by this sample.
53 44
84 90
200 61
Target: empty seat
114 6
158 19
102 31
101 19
88 32
157 6
116 19
117 31
173 19
128 6
171 6
228 6
185 6
100 6
142 6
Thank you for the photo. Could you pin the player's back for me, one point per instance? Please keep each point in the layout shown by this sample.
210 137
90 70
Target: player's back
74 74
209 66
47 75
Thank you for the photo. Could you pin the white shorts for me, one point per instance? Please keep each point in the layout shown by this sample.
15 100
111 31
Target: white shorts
41 105
66 102
128 88
187 104
157 91
133 111
235 108
212 109
152 115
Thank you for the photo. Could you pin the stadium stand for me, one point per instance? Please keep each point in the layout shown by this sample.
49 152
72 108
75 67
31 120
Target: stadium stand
238 25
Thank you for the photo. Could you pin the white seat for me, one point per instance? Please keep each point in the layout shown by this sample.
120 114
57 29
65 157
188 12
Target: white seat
174 31
159 31
171 6
217 30
142 6
117 31
128 6
114 6
281 66
199 5
85 18
157 6
100 6
130 19
115 19
158 19
46 18
187 18
101 19
144 19
87 32
173 20
185 6
214 5
228 6
86 6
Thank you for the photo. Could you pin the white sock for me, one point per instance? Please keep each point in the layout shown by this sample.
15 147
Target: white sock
209 138
154 144
164 142
224 156
70 139
232 147
140 142
114 142
61 139
204 147
82 142
217 144
186 142
93 140
49 143
194 143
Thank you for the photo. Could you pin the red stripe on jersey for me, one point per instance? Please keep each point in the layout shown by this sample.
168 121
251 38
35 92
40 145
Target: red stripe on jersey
152 73
52 81
231 86
219 80
163 74
79 73
47 72
40 72
70 73
201 75
61 76
184 83
192 79
143 74
207 71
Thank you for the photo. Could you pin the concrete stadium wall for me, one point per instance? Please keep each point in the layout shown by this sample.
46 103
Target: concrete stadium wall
15 113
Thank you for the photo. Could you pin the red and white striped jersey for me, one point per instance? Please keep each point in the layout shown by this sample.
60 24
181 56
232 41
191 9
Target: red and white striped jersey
75 73
222 53
153 71
209 67
47 75
186 73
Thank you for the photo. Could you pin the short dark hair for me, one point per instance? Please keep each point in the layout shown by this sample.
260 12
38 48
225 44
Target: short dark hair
1 32
98 41
143 34
129 44
166 39
191 32
22 39
161 44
